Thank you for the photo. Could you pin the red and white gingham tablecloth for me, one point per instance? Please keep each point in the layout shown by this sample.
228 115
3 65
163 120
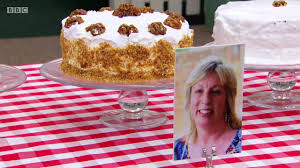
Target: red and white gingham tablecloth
48 124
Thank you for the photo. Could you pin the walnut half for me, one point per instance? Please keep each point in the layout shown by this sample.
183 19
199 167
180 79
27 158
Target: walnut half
105 8
157 28
127 30
177 16
72 21
78 12
96 29
127 10
174 23
145 9
279 3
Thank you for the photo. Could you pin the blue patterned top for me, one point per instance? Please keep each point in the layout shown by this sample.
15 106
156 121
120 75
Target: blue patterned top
181 149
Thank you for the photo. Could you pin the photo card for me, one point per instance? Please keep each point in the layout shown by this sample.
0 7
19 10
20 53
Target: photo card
208 101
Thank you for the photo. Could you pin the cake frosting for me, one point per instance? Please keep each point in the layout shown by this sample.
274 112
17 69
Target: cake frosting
271 34
125 49
118 40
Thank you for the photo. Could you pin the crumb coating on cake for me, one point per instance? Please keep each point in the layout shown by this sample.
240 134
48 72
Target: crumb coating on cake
134 62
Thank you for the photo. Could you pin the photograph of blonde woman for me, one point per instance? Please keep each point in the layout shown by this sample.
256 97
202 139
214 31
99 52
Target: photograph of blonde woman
209 104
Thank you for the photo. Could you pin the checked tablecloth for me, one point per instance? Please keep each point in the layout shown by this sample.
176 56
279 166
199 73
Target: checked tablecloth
48 124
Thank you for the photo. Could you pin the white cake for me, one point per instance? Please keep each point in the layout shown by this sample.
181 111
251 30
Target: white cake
271 34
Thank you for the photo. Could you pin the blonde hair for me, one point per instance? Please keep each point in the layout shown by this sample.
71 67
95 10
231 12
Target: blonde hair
229 82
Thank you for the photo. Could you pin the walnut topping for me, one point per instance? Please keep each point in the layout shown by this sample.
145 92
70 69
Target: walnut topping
174 15
146 9
157 28
78 12
174 23
72 21
127 10
96 29
127 30
105 8
177 16
278 3
166 12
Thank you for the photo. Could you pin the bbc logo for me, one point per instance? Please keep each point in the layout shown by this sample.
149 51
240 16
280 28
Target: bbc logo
17 10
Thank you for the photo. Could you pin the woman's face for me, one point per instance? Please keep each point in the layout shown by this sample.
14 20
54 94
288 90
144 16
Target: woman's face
208 100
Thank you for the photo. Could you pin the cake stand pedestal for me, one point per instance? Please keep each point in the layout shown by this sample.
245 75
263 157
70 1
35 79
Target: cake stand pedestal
281 79
10 77
133 98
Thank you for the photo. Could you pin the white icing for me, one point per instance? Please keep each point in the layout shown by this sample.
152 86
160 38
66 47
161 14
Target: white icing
271 34
112 24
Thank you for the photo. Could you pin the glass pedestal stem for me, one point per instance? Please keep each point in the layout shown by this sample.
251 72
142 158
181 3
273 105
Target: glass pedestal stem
133 102
282 83
133 114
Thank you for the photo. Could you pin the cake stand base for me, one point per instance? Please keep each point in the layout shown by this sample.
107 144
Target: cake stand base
120 119
265 99
133 114
281 81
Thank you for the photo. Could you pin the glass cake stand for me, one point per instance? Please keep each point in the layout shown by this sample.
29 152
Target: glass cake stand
10 77
281 79
133 98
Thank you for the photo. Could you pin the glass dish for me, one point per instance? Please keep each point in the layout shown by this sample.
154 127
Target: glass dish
10 77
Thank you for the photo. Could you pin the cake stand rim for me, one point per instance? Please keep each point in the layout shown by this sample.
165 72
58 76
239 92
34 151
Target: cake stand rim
22 77
272 68
69 80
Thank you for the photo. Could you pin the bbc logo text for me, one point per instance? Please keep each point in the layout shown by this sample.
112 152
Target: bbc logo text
11 10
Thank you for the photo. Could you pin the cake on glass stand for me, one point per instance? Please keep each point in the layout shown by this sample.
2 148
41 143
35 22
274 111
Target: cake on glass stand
133 98
281 79
10 77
